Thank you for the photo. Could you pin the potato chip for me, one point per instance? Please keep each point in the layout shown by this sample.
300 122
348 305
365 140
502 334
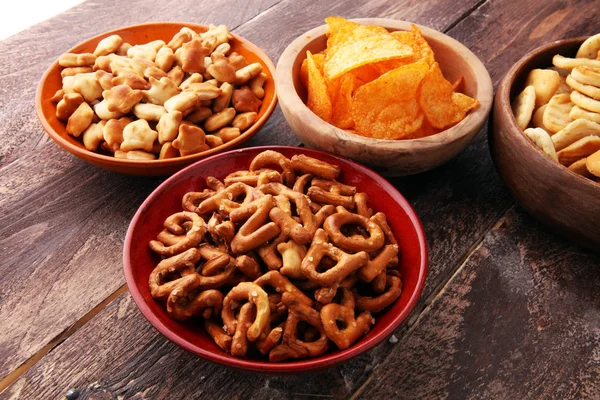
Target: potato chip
556 116
366 73
545 82
576 130
464 102
342 102
589 48
386 108
418 44
319 60
435 99
578 150
457 86
318 100
425 130
351 46
542 139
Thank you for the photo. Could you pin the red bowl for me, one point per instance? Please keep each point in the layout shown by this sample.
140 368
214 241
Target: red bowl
139 260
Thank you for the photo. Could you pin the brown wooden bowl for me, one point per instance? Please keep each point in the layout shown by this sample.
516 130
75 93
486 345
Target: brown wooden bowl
388 157
139 34
556 196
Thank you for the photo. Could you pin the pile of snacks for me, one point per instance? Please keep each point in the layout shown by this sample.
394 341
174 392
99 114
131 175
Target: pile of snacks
278 262
158 99
559 109
382 85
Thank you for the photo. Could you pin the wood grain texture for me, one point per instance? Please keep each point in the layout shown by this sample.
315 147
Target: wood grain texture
520 320
62 220
27 55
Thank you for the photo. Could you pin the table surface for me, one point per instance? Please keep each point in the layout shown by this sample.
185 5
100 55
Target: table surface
509 310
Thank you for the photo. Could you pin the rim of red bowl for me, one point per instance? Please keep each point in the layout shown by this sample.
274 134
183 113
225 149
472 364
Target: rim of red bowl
304 365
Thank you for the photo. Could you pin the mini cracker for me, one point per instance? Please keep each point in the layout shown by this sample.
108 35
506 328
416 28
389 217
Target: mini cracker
589 48
523 106
542 139
593 163
570 63
578 150
576 130
578 112
556 116
585 102
545 82
587 75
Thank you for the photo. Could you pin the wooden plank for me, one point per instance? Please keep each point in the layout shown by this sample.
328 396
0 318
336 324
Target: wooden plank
63 219
306 15
520 320
27 55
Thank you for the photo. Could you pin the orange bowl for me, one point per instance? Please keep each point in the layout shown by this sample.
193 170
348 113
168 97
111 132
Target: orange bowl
139 34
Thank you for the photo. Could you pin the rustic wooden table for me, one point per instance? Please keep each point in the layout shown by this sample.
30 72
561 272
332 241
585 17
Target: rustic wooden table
509 310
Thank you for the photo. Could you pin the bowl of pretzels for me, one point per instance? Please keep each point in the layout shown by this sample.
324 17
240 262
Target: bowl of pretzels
150 99
277 259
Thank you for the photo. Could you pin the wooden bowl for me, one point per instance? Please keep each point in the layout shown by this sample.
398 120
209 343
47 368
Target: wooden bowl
139 260
389 157
559 198
139 34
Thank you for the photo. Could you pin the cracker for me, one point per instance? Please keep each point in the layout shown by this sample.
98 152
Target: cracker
570 63
523 106
593 163
578 112
556 115
576 130
588 90
542 139
578 150
585 102
545 82
589 48
587 75
579 167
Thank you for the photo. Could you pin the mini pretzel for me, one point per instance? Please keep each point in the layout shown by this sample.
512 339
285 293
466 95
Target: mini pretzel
254 231
309 165
181 309
253 178
379 283
215 263
378 264
302 182
334 187
361 201
321 196
346 263
334 223
168 238
292 255
174 224
183 263
248 266
217 333
239 342
282 285
376 304
268 252
222 232
191 200
355 328
270 157
291 346
381 220
254 294
325 295
223 201
266 344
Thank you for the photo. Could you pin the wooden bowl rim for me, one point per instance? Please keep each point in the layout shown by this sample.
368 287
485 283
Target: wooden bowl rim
289 97
503 97
169 162
298 365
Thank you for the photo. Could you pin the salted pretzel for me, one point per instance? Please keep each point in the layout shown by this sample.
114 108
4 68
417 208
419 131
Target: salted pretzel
333 225
254 231
376 304
354 327
254 294
192 237
291 346
275 258
346 263
270 157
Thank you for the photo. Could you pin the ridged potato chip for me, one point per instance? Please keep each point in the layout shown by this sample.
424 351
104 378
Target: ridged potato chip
578 150
542 139
386 108
556 116
576 130
589 48
545 82
349 47
578 112
436 99
585 102
523 105
318 100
